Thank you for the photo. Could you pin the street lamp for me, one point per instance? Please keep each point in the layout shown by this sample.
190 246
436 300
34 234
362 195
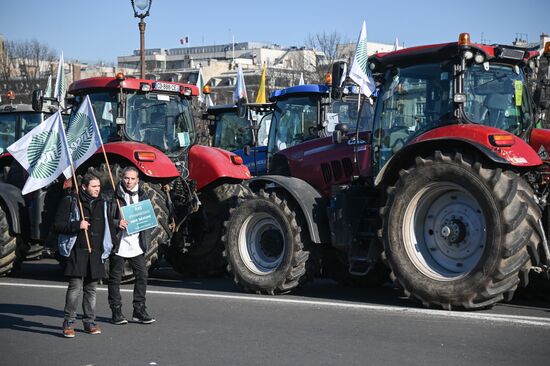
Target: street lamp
141 12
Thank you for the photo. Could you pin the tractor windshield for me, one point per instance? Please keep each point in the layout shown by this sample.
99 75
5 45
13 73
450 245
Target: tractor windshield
294 120
496 95
412 100
13 126
160 120
232 132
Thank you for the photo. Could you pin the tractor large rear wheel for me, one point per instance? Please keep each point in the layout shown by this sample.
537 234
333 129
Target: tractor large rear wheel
265 247
7 245
161 234
201 254
456 231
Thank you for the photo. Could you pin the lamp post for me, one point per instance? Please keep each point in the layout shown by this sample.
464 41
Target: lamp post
141 10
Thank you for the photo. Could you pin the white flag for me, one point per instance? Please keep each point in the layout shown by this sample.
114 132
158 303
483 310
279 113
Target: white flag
209 102
360 72
59 90
48 90
301 82
43 153
396 45
83 137
240 88
200 85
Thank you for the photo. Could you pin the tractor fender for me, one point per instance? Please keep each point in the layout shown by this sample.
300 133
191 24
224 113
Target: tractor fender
473 138
159 167
311 202
209 164
12 199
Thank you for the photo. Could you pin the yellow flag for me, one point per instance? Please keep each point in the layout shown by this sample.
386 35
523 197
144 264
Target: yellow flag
261 91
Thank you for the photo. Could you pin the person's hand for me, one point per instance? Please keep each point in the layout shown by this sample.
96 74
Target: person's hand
123 224
84 225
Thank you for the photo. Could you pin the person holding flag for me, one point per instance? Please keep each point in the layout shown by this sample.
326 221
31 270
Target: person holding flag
86 242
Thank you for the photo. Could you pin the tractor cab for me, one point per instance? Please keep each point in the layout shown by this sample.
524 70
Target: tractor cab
426 88
243 131
154 113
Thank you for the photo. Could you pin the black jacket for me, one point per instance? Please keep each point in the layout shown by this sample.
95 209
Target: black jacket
80 262
145 235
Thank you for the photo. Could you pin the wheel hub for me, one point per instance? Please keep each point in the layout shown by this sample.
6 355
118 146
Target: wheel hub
444 231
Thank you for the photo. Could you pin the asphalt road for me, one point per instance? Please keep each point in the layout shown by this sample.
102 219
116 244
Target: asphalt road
210 322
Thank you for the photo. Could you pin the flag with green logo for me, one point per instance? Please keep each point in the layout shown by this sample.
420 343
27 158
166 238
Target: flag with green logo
200 85
83 137
59 90
43 153
360 72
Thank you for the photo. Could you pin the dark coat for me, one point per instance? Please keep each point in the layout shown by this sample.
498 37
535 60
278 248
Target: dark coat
80 262
145 235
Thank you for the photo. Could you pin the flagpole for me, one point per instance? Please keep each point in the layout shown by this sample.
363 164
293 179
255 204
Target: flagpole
112 180
80 205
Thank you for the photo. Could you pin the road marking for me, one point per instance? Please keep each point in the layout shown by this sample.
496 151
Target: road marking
494 318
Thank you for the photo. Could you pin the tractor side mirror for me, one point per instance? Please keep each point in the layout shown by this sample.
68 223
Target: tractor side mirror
241 108
339 133
37 99
339 70
247 150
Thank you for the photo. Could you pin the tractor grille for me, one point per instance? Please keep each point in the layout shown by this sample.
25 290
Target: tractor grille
336 170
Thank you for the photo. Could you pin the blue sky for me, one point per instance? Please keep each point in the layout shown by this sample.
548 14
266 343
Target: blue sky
100 30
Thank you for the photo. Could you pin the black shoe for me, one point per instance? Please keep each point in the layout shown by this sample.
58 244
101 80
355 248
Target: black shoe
118 318
140 315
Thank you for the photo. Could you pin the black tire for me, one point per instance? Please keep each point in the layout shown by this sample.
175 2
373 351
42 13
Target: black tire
433 246
281 259
7 245
335 266
160 235
200 253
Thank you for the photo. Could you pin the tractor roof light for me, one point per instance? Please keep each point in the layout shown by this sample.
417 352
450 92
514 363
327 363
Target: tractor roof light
479 58
120 76
206 89
464 39
546 51
468 55
502 140
328 78
10 95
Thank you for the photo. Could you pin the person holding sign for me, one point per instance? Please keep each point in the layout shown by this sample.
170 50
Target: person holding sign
131 246
86 242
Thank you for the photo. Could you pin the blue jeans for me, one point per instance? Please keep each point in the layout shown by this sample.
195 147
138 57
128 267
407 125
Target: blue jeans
77 285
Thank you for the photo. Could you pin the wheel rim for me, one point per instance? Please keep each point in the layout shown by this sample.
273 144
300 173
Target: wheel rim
444 231
261 243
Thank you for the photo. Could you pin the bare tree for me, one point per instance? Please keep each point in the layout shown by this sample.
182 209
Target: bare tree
328 44
25 66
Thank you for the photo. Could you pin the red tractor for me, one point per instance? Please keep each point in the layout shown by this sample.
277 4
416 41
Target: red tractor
148 124
446 186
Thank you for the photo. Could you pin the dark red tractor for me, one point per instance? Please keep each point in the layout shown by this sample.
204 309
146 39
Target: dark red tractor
446 186
148 124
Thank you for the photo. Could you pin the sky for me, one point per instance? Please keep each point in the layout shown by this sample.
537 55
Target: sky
101 30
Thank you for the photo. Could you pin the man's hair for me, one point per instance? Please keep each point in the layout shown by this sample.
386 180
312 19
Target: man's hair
129 169
88 177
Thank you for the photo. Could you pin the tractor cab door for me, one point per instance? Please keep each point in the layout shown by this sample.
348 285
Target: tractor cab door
412 100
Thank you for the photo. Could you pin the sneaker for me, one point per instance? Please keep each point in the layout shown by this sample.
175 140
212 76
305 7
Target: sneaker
68 330
118 318
91 328
140 315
